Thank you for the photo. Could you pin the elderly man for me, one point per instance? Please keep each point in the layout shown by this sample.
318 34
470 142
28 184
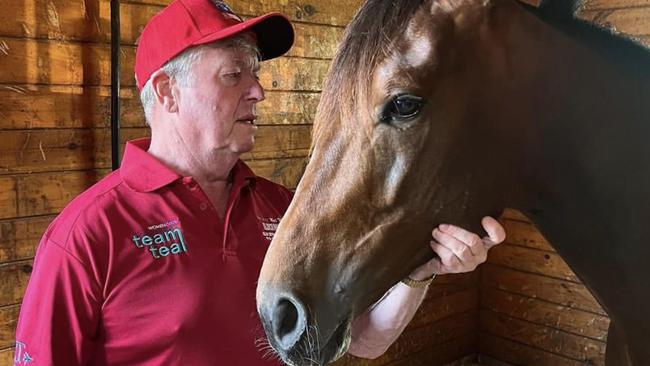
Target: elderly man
157 263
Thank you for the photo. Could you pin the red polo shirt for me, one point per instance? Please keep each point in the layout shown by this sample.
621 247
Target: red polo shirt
141 270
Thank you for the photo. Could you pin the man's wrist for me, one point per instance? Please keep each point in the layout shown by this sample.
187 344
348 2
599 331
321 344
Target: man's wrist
418 283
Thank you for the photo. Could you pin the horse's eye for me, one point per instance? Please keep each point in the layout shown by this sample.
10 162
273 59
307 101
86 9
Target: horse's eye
401 108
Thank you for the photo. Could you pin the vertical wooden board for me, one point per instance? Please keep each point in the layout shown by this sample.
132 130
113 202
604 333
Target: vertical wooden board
19 237
532 261
520 354
8 320
13 281
549 289
48 193
545 338
8 197
574 321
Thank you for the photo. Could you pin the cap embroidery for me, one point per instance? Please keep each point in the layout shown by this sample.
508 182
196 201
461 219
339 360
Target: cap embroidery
225 9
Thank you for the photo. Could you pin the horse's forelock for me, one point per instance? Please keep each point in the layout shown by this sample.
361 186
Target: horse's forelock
368 39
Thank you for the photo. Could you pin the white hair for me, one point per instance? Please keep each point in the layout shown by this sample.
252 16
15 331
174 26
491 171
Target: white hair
180 67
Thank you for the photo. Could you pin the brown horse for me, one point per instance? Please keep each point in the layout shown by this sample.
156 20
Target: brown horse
447 110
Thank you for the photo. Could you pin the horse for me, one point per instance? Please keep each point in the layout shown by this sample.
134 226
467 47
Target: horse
443 111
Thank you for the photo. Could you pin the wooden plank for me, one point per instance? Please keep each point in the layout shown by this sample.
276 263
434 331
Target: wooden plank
445 285
8 321
74 149
538 336
442 354
532 260
39 106
8 197
78 20
13 281
561 292
525 234
286 172
433 310
520 354
7 357
421 339
633 21
321 12
512 214
28 61
19 237
48 193
612 4
551 315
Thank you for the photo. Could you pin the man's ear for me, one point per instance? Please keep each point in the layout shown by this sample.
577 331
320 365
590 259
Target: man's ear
163 91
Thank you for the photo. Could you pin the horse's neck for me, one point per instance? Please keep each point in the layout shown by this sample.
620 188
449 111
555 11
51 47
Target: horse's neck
588 162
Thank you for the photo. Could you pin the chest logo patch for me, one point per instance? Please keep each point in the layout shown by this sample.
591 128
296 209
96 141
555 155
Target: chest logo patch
162 240
269 226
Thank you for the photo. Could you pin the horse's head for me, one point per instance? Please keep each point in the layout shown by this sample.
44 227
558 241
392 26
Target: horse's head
409 134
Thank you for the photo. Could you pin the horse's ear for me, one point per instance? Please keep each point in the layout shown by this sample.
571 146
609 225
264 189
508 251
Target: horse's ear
560 8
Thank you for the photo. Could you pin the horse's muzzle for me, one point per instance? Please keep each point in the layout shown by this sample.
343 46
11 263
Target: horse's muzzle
296 339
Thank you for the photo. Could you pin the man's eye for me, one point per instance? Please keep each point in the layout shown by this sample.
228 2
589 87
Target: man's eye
233 75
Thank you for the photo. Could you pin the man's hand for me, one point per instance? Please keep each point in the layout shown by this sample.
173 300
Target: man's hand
459 250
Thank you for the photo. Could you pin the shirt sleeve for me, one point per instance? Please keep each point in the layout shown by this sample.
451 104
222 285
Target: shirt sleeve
59 316
374 331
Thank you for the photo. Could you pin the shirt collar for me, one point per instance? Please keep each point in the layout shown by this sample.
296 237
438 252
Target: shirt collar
142 172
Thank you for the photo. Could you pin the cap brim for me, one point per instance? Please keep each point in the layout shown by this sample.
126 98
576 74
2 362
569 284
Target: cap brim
273 30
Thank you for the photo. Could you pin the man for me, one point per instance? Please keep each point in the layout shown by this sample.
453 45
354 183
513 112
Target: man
157 263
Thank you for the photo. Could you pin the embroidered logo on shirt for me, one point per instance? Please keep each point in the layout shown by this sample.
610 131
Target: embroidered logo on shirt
269 226
162 240
21 357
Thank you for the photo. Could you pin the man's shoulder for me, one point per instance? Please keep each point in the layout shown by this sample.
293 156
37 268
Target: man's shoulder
84 208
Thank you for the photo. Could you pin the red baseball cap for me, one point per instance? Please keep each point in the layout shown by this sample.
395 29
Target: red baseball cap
186 23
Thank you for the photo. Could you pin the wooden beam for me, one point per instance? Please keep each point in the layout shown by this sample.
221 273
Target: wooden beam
28 61
43 106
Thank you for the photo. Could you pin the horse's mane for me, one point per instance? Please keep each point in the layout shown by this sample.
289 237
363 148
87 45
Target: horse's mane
367 40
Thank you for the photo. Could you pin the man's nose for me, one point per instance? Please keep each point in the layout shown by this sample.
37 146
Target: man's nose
256 91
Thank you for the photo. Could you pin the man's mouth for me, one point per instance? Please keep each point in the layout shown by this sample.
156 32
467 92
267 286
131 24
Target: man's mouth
248 120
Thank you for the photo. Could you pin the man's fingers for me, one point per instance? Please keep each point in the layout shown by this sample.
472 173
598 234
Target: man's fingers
496 232
463 243
447 258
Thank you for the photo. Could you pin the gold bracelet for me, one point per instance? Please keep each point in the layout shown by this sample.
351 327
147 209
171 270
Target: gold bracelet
408 281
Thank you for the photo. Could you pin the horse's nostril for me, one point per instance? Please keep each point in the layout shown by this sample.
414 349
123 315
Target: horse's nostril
288 323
